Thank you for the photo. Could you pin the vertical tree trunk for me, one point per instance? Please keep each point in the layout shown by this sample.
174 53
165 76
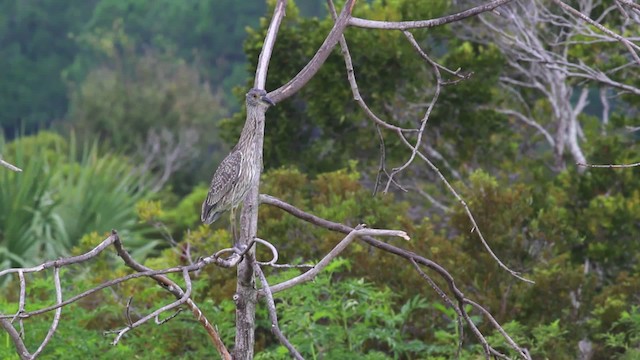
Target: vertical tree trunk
246 295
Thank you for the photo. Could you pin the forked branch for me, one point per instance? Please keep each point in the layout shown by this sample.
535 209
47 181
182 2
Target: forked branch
408 255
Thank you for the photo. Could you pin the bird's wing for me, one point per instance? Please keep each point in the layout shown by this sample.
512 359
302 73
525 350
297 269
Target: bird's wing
226 175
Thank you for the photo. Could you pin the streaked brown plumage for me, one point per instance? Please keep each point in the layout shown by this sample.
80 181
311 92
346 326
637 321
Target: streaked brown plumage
239 169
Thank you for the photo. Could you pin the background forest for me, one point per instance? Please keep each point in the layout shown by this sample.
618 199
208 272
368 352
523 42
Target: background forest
118 112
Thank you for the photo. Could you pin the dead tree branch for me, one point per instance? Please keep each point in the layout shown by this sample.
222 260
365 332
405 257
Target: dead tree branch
318 59
9 166
408 255
358 231
406 25
610 166
141 271
273 315
414 149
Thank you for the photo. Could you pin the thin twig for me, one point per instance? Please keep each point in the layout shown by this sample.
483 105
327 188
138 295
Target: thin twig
406 25
172 287
447 300
351 76
9 166
274 252
56 316
358 231
273 315
609 166
633 48
269 41
446 276
182 300
432 103
475 227
318 59
414 149
21 349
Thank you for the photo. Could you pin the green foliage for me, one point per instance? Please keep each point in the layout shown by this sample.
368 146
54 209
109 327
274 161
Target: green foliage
81 333
543 341
62 194
30 227
625 334
186 213
349 319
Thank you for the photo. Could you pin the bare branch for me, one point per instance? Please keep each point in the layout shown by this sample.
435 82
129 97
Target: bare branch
633 48
606 109
432 200
318 59
9 166
448 301
246 294
411 256
609 166
406 25
414 149
182 300
383 159
21 302
354 85
530 122
269 42
273 315
273 249
56 316
66 261
141 271
21 349
172 287
425 118
359 230
469 214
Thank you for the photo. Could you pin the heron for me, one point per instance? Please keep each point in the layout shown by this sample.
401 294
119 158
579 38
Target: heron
241 168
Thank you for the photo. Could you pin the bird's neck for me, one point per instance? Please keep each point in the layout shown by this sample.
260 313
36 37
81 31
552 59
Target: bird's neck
253 125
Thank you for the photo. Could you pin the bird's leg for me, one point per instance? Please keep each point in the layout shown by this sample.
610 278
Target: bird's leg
234 229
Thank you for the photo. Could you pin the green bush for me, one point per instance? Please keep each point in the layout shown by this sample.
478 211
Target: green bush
62 194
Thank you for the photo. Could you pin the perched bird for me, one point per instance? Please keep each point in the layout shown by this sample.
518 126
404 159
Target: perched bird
239 169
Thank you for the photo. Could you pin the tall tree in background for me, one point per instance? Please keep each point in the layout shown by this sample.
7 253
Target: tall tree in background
555 59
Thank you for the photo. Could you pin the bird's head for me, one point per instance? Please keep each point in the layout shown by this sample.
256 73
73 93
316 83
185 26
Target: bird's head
258 97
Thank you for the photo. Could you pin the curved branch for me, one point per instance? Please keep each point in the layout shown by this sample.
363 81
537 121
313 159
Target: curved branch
173 288
318 59
185 297
21 349
56 316
633 48
9 166
409 255
269 41
273 315
530 122
351 77
358 231
406 25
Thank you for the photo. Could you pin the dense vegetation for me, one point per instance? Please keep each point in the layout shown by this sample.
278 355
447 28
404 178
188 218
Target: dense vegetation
95 88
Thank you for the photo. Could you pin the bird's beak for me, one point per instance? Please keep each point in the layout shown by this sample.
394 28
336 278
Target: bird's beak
268 101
